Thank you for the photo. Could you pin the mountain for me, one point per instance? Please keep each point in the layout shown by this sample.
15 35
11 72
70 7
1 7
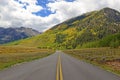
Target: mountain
12 34
75 32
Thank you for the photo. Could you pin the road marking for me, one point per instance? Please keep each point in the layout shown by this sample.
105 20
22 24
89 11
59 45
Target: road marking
59 75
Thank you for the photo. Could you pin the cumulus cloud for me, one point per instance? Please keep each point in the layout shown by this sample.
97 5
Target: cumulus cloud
17 13
66 10
13 14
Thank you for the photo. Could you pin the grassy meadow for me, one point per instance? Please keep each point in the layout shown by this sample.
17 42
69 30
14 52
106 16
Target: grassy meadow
13 55
106 58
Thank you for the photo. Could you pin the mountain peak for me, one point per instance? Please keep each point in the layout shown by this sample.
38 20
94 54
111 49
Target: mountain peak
12 34
107 8
111 14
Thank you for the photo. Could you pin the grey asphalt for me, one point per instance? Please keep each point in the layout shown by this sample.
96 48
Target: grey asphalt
45 69
74 69
42 69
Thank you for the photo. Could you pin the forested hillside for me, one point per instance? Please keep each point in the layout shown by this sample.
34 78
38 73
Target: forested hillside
93 29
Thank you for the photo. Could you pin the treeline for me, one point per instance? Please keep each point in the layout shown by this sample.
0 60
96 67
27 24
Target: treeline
112 41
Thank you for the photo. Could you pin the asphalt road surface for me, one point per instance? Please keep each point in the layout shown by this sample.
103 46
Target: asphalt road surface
58 66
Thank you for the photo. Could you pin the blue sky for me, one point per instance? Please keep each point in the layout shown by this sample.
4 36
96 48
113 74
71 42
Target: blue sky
45 11
43 14
43 3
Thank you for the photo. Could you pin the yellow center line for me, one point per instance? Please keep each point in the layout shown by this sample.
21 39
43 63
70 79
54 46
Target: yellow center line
59 75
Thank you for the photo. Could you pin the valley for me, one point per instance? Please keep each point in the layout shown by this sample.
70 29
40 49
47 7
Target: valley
66 51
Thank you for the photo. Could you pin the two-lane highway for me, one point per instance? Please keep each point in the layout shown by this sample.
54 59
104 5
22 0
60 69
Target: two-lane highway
58 66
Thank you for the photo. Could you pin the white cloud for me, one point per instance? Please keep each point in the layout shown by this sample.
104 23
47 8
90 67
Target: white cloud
67 10
12 13
32 7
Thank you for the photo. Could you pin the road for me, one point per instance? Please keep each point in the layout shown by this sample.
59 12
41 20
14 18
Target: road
58 66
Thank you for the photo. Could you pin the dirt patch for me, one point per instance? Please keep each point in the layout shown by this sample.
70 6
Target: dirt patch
114 63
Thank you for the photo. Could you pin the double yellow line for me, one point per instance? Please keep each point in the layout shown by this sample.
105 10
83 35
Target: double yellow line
59 75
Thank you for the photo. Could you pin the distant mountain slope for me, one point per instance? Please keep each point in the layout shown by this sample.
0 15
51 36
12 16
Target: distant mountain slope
12 34
75 32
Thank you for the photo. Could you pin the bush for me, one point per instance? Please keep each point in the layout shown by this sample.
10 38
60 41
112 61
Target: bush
114 44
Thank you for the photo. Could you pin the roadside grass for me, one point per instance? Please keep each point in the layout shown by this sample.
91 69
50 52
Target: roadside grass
106 58
14 54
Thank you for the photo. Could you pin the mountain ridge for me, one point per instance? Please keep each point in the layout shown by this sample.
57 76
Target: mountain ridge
77 31
12 34
104 10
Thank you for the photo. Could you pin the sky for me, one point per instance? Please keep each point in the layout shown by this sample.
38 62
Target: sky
44 14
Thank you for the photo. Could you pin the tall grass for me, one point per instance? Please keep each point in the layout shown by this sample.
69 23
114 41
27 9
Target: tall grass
12 55
99 57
